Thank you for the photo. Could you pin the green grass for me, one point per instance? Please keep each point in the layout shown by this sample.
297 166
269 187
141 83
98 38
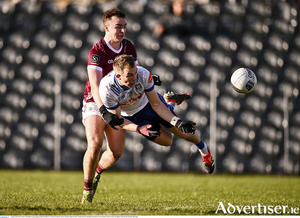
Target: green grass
59 193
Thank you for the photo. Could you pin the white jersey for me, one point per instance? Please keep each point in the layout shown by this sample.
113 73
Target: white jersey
130 100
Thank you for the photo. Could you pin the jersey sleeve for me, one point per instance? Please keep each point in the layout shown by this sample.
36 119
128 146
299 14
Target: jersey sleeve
146 79
96 59
106 94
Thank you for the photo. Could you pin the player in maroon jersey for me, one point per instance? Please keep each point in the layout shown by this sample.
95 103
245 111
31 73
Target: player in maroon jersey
99 63
95 117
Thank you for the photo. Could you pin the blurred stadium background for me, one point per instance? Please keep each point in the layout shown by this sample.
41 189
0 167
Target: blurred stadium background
45 43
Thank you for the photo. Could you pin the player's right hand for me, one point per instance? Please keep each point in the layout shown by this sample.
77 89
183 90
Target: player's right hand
145 130
186 126
110 118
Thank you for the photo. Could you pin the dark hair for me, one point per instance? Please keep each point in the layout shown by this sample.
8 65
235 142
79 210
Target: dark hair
113 12
122 61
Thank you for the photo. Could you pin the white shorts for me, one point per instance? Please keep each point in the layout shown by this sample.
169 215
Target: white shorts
88 109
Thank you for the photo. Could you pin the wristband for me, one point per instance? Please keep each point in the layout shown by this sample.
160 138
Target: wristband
174 120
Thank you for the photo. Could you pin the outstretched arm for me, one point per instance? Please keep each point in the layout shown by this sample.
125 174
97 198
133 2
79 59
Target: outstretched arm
164 112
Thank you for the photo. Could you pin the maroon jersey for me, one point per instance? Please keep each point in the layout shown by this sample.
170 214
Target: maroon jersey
101 57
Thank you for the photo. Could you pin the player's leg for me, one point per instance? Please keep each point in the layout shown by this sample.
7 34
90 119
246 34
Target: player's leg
165 138
94 126
115 146
208 160
114 149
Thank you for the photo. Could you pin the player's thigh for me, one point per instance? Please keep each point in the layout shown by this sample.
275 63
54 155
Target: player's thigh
165 138
115 140
94 129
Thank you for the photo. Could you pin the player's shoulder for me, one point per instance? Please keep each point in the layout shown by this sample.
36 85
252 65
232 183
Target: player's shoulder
98 47
142 70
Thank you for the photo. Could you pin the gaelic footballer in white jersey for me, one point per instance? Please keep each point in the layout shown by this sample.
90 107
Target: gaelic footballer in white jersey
130 100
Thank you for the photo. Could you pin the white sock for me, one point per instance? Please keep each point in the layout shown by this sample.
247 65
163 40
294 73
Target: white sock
84 191
204 150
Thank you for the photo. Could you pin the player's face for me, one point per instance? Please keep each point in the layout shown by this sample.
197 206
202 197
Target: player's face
116 28
128 78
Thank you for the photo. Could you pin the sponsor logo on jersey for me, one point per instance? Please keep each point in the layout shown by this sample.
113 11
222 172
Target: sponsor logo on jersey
110 61
132 100
95 59
150 78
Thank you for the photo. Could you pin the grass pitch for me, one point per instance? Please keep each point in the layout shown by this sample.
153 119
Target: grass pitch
120 193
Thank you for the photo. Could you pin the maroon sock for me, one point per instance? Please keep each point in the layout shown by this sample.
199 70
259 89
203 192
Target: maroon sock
99 169
88 185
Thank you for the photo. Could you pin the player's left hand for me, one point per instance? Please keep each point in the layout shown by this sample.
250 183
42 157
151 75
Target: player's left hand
186 126
145 130
110 118
156 80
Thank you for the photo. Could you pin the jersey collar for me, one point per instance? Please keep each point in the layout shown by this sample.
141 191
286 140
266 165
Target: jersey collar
111 48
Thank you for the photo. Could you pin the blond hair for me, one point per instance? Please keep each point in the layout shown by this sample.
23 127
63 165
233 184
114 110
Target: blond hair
122 61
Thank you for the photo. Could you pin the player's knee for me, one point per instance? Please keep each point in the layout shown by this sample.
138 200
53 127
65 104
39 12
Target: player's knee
116 154
94 148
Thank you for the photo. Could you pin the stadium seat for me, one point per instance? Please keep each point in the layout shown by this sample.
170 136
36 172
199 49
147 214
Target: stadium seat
250 119
268 147
50 22
5 133
74 87
41 159
255 24
37 56
252 41
41 101
70 102
293 57
189 75
258 164
192 57
46 86
30 72
133 9
275 118
232 163
70 40
15 101
295 147
27 129
295 132
147 42
229 104
79 72
33 115
80 9
13 159
46 142
12 55
260 9
200 43
77 129
21 86
145 58
220 58
19 39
